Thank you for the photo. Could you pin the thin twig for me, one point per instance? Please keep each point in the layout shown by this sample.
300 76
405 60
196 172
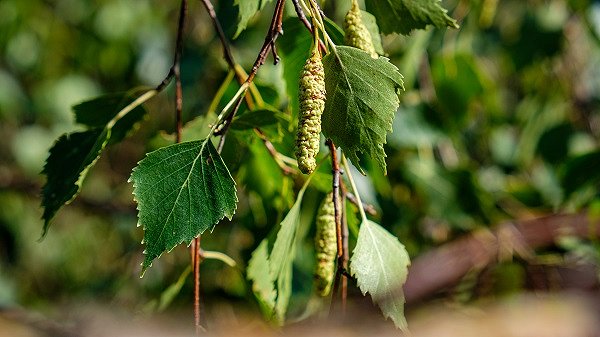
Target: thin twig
224 42
338 210
275 30
346 255
178 48
239 73
195 248
370 209
242 78
276 155
175 72
306 23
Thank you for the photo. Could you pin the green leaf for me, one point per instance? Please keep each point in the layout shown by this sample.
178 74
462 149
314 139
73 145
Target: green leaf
271 122
402 16
99 111
362 98
247 9
335 32
371 24
66 167
280 263
257 119
181 190
263 285
380 264
282 257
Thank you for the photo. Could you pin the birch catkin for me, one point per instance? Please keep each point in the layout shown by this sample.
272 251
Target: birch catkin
357 35
312 103
325 246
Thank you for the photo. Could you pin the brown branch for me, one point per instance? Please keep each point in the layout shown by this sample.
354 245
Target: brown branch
224 42
175 72
341 254
241 77
273 152
178 48
196 258
275 30
446 265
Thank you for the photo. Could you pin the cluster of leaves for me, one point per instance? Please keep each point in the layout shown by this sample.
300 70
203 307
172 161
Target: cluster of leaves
184 189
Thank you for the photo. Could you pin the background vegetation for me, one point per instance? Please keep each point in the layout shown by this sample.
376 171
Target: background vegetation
500 121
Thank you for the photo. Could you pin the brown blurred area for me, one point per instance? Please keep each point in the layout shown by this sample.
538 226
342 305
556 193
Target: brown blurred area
527 315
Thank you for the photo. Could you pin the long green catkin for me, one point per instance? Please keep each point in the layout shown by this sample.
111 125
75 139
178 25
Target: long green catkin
312 103
325 246
357 35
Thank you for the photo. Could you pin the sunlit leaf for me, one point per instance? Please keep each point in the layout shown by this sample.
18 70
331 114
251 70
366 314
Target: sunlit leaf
371 24
362 98
380 264
181 190
280 262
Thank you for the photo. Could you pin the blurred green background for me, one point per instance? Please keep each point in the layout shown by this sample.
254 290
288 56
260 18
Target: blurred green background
500 120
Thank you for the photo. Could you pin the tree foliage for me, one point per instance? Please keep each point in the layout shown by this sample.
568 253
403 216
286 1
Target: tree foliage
454 129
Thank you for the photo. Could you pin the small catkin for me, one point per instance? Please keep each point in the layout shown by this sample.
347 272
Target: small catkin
325 246
312 103
357 35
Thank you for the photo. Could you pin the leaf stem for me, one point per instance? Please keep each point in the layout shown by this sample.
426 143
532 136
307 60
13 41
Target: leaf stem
209 254
212 108
139 101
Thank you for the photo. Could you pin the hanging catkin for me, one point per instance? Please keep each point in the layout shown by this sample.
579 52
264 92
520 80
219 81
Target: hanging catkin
357 35
325 246
312 102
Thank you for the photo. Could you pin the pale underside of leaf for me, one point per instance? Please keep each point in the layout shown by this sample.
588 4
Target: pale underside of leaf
181 190
362 98
371 23
380 265
263 284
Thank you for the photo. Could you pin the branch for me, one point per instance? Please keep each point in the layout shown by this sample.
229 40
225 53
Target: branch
241 77
276 155
368 207
342 260
275 30
175 72
304 20
446 265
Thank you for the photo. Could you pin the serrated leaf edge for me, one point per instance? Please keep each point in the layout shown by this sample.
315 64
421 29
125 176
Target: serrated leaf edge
139 224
